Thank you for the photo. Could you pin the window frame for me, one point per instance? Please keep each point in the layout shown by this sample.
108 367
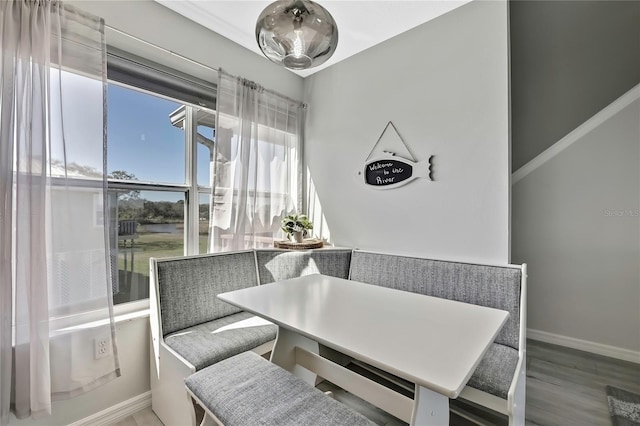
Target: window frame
138 70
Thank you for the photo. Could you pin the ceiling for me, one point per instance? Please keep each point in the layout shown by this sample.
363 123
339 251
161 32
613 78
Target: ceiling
361 23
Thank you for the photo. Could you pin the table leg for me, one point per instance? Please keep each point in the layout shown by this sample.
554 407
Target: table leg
430 408
283 353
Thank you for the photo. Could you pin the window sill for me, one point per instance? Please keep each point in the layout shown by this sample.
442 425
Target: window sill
130 311
122 313
143 313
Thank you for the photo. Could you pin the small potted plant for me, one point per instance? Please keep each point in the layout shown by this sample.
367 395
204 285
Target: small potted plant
296 226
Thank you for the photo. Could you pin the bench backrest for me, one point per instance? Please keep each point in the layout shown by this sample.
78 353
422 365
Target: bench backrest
188 286
276 265
491 286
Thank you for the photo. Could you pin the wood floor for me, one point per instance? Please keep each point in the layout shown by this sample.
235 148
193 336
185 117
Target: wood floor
565 387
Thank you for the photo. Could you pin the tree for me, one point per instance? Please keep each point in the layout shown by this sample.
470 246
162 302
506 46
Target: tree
124 175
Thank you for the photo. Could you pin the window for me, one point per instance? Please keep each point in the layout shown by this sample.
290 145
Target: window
160 147
161 136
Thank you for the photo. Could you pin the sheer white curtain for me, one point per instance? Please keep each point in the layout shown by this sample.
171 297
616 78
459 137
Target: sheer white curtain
57 336
257 176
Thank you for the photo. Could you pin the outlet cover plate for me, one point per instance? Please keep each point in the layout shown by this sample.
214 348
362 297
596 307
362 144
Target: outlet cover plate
101 346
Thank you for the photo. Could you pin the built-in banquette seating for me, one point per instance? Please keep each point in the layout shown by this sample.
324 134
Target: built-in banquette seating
189 338
499 380
192 329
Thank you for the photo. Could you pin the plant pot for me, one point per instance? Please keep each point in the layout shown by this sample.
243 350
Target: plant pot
298 237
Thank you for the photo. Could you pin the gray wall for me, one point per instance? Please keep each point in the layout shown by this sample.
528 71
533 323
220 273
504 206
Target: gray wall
133 349
569 59
576 222
444 85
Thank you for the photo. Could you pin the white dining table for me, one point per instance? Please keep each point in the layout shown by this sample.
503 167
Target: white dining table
432 342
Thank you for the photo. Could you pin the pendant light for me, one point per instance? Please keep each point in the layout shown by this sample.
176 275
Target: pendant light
297 34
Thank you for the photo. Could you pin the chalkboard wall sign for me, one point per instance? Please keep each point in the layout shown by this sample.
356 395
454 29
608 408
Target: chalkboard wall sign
394 171
388 171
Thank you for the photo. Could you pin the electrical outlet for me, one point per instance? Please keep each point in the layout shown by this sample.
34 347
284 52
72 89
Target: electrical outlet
102 346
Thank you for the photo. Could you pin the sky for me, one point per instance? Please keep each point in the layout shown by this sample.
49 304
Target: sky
142 141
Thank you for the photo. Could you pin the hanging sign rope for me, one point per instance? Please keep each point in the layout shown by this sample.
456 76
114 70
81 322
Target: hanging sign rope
388 171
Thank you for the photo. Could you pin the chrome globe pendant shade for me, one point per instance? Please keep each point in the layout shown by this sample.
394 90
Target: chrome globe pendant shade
298 34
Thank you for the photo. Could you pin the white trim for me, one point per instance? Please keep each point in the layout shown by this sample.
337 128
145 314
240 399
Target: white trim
609 111
379 395
125 312
585 345
144 313
128 308
118 412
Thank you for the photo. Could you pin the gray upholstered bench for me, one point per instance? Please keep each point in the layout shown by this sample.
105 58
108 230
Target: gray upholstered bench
192 329
248 390
278 264
498 382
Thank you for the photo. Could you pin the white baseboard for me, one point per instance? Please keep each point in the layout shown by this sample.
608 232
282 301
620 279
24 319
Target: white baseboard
585 345
117 412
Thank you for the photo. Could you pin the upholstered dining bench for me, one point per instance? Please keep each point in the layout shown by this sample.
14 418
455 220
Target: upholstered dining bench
246 389
498 382
192 329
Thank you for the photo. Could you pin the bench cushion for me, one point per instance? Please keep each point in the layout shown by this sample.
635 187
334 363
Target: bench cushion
188 287
211 342
495 372
248 390
276 265
492 286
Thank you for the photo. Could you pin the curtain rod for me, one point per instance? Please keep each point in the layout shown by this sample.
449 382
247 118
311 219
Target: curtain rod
177 55
200 64
258 86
